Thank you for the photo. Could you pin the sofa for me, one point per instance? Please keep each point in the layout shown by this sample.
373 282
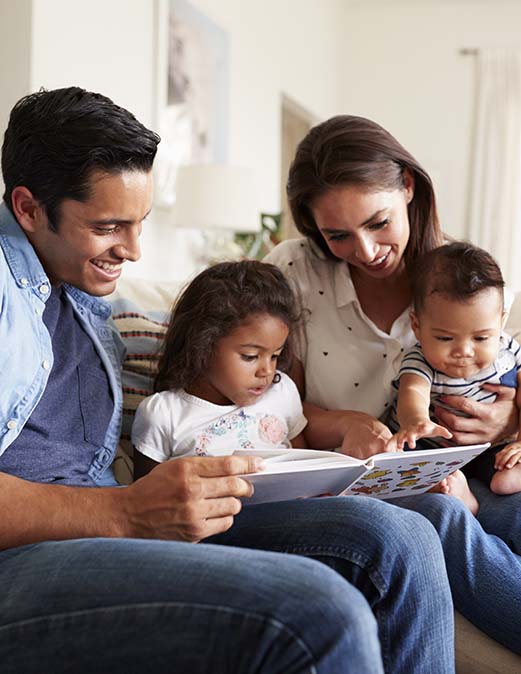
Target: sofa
140 311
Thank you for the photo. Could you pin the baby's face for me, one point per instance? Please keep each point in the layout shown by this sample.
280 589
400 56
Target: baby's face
460 338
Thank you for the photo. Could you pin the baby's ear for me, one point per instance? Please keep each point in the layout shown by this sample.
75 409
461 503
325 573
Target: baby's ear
504 319
415 324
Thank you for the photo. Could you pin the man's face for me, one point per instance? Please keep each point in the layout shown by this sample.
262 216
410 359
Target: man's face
94 238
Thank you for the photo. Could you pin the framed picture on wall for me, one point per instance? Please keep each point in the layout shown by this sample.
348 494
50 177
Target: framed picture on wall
192 92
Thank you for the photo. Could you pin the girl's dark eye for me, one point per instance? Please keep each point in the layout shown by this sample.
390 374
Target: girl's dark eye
248 357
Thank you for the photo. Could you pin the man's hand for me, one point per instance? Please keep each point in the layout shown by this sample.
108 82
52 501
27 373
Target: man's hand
188 499
484 422
364 435
415 430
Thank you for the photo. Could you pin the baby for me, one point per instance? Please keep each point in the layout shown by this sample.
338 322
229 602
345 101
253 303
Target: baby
458 320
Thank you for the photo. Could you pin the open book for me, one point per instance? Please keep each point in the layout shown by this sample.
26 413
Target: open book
301 473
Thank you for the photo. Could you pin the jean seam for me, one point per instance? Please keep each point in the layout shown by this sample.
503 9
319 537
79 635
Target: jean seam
280 627
339 551
363 562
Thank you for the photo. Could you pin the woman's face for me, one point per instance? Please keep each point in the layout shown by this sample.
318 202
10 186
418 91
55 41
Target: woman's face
367 229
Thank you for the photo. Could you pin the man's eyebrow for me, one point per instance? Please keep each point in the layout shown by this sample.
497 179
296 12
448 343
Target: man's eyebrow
371 218
116 221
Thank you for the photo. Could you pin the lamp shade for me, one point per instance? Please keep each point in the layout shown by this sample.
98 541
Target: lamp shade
216 196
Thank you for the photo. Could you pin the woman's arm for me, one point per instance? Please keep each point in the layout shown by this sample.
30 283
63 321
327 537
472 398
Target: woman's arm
355 433
483 422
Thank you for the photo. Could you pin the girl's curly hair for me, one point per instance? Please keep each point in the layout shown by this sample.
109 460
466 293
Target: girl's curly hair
218 300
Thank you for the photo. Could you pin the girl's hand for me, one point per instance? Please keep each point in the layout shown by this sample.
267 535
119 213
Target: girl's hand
364 435
416 429
508 457
483 422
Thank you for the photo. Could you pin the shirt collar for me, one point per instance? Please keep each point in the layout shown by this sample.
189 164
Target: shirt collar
343 287
21 257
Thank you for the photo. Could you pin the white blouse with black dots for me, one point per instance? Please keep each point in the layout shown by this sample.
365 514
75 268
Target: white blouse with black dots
349 362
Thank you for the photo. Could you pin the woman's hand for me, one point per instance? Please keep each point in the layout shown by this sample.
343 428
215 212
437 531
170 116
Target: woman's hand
364 435
483 422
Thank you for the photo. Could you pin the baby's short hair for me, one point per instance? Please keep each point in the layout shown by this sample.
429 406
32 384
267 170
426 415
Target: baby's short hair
457 270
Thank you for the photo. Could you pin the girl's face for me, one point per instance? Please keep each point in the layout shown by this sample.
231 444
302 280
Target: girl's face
369 230
244 362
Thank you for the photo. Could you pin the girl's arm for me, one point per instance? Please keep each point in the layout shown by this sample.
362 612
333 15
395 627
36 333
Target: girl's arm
414 397
299 442
142 464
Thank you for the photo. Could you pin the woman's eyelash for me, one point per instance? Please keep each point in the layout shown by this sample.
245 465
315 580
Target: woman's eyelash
379 225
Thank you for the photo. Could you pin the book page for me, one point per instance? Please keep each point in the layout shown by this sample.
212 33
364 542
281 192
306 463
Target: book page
301 473
398 474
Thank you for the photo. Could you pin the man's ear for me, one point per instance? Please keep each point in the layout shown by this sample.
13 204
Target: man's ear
415 324
27 210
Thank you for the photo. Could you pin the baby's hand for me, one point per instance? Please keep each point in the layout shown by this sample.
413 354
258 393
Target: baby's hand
419 428
508 456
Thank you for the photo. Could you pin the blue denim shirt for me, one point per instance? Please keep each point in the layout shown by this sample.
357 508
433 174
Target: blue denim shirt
26 355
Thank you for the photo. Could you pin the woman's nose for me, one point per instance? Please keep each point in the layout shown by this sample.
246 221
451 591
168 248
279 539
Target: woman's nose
365 249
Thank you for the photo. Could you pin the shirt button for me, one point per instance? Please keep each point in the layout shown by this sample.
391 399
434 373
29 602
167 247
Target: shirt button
24 281
44 289
46 365
11 424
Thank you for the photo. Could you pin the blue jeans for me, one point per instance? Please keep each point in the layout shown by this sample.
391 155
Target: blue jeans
484 574
499 515
118 605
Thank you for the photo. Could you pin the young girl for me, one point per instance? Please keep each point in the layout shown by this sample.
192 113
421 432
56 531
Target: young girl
458 320
220 382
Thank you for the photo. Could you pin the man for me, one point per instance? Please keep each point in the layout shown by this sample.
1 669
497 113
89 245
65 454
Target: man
94 577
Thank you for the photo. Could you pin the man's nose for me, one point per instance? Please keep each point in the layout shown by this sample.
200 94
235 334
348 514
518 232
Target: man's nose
129 247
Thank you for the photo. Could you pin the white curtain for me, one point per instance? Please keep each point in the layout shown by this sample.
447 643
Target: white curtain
494 213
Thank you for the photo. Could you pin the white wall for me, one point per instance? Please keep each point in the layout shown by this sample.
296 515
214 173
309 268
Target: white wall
397 62
403 69
292 47
15 56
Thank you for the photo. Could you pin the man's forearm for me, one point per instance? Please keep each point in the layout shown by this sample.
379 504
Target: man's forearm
34 512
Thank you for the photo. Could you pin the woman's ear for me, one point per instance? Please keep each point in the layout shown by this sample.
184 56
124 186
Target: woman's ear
27 210
408 185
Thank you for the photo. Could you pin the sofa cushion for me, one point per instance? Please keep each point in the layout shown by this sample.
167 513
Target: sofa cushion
140 310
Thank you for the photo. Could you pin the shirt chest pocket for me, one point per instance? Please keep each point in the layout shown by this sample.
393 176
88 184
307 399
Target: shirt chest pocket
96 404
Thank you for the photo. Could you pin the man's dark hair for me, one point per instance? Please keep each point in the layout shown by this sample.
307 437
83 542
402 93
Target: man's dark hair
457 271
216 302
56 139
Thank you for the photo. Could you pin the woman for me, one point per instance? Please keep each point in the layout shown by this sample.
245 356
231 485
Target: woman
367 210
